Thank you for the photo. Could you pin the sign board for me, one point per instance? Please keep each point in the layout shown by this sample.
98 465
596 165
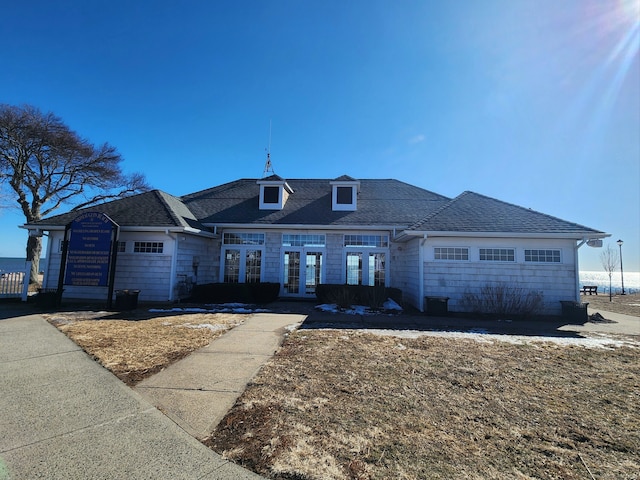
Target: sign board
89 250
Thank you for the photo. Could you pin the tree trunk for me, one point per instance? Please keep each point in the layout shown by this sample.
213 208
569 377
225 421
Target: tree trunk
34 249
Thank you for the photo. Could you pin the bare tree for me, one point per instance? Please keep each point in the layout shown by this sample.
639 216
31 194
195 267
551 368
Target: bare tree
44 164
610 261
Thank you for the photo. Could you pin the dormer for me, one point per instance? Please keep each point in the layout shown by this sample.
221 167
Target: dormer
344 194
274 192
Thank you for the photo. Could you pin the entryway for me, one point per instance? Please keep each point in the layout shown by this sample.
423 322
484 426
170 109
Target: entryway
302 272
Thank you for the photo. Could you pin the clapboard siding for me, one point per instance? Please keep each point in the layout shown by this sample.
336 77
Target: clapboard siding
404 270
556 281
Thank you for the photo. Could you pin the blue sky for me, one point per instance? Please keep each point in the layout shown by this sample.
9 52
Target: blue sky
533 102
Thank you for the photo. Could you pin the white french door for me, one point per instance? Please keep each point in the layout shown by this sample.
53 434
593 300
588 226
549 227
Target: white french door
302 271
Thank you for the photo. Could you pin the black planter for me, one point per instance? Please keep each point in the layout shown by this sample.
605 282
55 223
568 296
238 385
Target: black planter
437 306
574 311
127 299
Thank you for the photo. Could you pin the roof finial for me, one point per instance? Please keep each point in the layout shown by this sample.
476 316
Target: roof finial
268 168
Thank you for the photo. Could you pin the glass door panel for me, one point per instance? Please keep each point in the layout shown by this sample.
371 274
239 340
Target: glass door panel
313 271
291 280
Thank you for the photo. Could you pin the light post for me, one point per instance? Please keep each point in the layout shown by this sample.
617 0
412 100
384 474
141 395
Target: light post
620 242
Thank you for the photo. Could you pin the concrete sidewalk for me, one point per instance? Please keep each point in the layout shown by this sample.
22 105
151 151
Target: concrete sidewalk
63 416
197 391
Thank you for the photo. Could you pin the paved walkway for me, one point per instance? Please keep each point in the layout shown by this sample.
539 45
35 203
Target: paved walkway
63 416
198 391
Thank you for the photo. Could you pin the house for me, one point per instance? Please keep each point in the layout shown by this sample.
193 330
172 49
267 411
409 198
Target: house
304 232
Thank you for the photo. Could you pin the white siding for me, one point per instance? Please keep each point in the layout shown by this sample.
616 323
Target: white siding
556 281
333 264
404 270
271 260
148 272
197 261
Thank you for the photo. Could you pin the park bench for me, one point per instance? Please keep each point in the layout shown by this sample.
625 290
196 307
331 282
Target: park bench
590 289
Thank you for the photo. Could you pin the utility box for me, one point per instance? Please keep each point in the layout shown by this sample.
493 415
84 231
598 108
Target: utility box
436 306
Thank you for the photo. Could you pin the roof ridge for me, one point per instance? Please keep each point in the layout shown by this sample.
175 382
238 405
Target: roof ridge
437 211
172 213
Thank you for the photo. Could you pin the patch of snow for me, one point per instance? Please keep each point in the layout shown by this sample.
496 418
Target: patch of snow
401 347
213 328
328 307
292 327
391 305
589 342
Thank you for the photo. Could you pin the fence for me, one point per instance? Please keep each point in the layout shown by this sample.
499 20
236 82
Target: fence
14 283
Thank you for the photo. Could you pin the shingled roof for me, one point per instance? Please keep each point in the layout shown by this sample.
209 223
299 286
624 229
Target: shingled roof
154 208
382 202
472 212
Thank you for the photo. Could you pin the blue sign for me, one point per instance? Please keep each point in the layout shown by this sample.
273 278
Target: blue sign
89 250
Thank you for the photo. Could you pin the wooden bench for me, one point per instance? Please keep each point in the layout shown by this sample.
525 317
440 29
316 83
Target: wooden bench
590 289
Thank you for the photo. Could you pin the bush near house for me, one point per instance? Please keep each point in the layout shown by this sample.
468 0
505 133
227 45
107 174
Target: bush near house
346 295
258 293
503 299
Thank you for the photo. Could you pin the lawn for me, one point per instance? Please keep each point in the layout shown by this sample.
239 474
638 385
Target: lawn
345 404
342 404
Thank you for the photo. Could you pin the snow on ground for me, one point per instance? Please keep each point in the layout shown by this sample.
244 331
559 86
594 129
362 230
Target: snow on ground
213 308
479 335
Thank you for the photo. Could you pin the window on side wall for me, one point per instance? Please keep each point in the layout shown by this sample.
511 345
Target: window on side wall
497 255
148 247
542 256
451 253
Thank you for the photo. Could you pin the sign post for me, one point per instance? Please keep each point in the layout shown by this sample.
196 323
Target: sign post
89 253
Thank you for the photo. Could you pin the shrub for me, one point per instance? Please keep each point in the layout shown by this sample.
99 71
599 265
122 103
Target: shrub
503 299
346 295
235 292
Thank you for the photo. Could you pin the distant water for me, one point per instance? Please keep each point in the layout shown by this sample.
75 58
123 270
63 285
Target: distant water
601 279
12 263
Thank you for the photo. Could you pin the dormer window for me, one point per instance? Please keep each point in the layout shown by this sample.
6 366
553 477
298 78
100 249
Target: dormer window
271 195
344 194
274 192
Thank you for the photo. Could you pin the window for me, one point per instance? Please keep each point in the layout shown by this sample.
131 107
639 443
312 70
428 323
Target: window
148 247
497 254
272 195
243 238
380 241
290 240
344 195
451 253
373 274
122 247
543 256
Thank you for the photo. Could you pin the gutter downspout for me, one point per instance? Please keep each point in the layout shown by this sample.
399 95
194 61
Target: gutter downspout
577 274
174 264
421 272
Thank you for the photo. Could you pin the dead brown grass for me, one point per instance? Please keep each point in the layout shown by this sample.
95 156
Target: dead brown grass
625 304
134 350
357 406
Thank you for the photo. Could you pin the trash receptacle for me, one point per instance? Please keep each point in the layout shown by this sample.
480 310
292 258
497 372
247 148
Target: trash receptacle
574 311
127 299
437 306
47 297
